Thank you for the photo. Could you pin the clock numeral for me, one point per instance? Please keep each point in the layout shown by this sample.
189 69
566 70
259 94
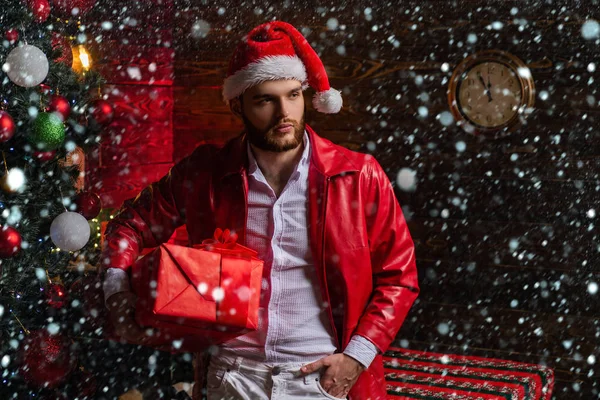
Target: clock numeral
489 118
470 81
511 81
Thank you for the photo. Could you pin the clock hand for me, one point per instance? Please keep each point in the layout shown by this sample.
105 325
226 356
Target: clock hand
489 85
482 81
487 90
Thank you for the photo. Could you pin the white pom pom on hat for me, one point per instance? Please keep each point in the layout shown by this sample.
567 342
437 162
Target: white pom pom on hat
276 50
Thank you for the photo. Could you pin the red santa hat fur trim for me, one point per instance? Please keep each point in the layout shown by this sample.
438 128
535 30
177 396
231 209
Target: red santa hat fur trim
276 50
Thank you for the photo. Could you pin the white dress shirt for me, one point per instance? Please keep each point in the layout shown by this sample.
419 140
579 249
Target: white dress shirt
293 323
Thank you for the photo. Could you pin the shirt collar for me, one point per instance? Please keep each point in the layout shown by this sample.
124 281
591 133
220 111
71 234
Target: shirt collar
253 165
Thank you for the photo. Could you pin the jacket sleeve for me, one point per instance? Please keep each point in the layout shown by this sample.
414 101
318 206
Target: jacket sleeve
395 283
147 220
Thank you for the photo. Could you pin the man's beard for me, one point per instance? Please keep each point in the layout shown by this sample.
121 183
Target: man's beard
268 140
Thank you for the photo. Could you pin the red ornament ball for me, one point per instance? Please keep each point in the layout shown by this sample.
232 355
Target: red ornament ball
60 105
56 296
88 204
59 42
12 35
103 112
44 155
10 241
67 7
7 126
40 9
45 359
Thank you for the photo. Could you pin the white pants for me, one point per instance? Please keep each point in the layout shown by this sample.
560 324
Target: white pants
236 378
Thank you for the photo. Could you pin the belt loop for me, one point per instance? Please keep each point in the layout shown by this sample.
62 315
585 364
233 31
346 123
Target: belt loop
308 379
238 363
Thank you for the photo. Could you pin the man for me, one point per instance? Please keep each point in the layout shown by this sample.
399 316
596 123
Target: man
339 276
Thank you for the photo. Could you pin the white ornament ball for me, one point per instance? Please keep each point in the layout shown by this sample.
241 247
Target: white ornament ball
26 66
70 231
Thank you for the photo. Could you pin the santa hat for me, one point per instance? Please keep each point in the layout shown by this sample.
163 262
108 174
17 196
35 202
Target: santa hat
276 50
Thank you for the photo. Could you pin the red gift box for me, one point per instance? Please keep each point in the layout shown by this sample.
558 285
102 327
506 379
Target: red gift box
197 296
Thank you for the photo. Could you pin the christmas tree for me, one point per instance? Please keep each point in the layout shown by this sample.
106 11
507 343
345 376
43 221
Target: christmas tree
54 342
50 118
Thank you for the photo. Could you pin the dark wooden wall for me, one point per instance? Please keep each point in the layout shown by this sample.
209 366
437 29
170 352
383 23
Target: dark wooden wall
506 247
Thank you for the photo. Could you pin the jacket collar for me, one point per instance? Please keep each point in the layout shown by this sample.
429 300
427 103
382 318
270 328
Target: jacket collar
325 157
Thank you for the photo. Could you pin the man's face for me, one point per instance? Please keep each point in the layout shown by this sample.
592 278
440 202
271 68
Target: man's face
268 106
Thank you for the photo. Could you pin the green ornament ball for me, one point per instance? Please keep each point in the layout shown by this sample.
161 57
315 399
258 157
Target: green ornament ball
47 132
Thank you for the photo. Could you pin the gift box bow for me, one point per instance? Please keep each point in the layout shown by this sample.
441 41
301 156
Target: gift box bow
225 242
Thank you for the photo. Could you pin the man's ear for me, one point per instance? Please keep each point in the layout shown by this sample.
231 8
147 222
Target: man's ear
236 107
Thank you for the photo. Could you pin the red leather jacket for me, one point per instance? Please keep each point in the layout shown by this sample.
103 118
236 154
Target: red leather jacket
363 252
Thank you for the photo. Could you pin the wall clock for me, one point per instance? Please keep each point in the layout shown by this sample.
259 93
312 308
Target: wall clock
491 92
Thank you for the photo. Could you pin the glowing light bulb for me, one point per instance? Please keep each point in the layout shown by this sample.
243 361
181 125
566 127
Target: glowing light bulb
13 181
85 58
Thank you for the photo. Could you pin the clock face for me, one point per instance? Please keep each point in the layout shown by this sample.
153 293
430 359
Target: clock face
489 94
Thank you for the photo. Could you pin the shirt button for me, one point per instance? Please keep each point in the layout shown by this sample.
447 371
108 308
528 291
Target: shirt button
275 370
